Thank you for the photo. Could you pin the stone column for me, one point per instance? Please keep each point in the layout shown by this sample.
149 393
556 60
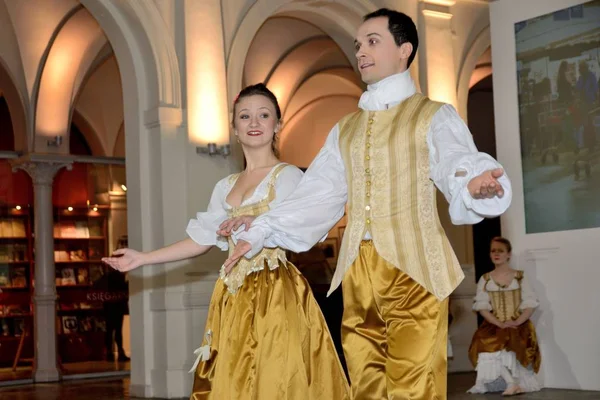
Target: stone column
44 298
439 80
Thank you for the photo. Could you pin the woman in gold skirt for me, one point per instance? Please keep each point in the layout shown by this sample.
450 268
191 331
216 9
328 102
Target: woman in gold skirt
504 349
265 336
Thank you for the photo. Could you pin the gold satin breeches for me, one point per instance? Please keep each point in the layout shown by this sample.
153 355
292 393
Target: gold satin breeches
394 333
269 342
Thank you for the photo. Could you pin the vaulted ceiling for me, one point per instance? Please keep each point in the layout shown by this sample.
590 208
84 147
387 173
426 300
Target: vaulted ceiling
57 66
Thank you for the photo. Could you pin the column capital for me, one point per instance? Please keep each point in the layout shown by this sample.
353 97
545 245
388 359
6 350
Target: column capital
41 167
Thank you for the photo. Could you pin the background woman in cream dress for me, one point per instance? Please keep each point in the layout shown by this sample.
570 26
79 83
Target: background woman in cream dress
504 349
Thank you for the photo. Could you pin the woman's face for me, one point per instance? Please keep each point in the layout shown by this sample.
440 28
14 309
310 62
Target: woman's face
499 253
255 121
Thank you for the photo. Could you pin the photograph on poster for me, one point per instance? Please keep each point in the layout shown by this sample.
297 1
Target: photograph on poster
558 75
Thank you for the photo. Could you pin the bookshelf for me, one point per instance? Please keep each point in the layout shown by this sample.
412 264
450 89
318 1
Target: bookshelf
16 283
80 241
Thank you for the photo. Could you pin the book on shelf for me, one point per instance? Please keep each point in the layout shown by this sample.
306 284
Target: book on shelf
82 276
72 229
96 273
99 324
86 324
4 275
68 277
95 228
12 228
81 229
8 310
70 324
61 256
78 255
5 326
96 251
13 252
18 277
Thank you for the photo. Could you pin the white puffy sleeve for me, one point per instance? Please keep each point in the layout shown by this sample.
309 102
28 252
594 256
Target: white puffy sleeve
203 228
307 214
286 183
451 149
482 298
528 297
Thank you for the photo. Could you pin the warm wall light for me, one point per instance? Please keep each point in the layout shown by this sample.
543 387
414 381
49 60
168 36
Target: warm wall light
18 208
56 141
447 3
69 209
207 104
124 188
95 209
212 149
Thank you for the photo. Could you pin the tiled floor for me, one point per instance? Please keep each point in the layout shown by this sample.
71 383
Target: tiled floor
80 368
119 389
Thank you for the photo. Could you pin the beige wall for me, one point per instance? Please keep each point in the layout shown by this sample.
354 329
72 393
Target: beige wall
562 266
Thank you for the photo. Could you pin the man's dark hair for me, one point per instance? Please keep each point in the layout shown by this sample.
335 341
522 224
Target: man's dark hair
401 27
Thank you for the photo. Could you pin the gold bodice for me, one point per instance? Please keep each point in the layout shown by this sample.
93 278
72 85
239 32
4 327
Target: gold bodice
269 257
505 303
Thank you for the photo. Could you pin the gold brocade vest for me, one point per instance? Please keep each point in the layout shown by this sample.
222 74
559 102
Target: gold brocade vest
505 303
269 257
391 195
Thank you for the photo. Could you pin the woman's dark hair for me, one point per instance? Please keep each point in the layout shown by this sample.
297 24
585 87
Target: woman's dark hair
260 90
402 28
504 241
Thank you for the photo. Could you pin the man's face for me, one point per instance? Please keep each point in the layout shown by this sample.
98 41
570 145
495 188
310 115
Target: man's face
377 53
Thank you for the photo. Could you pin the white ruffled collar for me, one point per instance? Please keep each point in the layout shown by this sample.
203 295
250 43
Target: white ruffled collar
388 92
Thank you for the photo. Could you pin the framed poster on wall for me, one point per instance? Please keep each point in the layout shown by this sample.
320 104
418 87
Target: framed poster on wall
556 113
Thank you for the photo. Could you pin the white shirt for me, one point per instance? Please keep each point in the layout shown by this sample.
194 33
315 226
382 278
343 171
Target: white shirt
482 298
307 215
203 229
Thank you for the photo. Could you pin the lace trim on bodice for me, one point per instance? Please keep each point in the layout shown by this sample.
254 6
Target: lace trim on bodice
269 257
505 303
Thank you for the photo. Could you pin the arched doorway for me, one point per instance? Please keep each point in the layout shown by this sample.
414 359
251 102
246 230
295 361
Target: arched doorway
480 108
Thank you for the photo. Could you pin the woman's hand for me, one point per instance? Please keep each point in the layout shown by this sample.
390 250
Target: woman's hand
129 259
231 225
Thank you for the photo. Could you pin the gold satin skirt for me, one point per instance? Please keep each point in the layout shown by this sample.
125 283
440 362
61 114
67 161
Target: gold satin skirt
522 341
394 333
269 342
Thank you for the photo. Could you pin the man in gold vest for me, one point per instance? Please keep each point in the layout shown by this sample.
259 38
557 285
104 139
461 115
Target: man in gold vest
395 265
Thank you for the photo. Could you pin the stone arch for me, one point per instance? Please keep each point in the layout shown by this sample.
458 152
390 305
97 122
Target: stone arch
481 43
88 132
151 83
336 20
18 115
119 145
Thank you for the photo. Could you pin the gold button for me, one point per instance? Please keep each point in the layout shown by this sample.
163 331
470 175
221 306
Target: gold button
367 170
368 183
368 221
369 132
368 208
371 120
368 157
368 194
368 145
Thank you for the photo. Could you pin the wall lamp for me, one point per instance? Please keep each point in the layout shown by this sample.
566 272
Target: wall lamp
56 141
212 149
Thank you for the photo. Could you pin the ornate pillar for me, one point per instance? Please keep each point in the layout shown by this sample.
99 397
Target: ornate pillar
42 174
